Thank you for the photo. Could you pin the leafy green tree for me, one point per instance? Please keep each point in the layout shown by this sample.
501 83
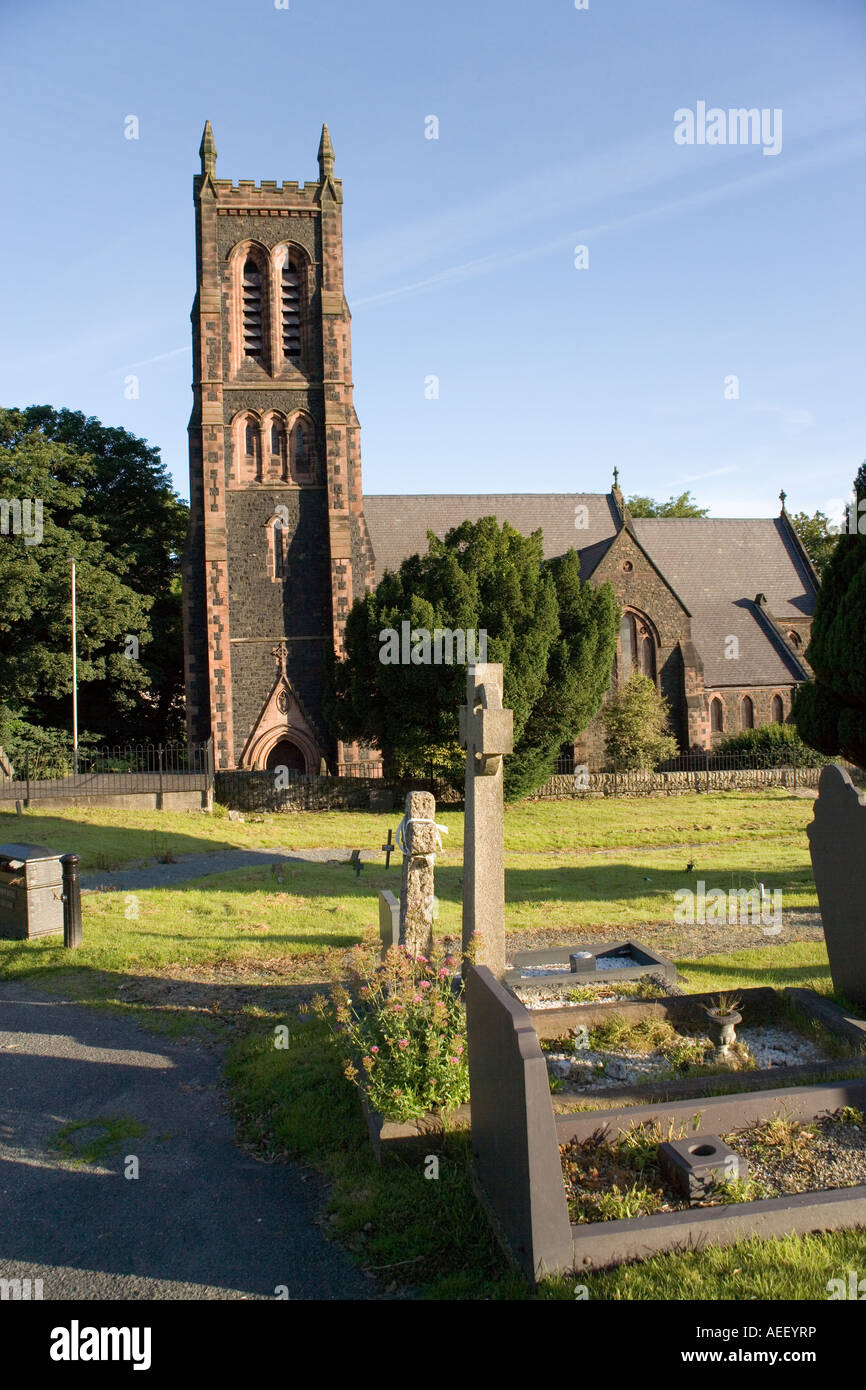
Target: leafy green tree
555 637
635 722
830 711
819 541
684 505
107 501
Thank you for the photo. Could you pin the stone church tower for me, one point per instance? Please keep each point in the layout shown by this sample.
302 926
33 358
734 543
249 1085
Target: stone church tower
277 546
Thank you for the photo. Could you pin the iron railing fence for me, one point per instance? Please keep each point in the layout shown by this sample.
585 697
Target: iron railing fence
115 770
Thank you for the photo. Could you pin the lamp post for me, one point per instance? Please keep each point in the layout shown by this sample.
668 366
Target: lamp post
74 675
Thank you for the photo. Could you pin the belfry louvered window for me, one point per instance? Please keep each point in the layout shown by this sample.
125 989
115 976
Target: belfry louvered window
252 309
290 305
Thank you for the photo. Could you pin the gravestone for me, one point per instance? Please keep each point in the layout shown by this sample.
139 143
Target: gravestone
837 843
389 920
487 734
418 837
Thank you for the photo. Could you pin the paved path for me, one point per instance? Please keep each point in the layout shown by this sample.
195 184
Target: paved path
221 861
203 1220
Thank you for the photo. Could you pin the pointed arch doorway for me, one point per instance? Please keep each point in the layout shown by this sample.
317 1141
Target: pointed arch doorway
288 754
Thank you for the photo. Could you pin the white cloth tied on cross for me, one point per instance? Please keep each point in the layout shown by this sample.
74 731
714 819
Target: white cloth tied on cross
441 830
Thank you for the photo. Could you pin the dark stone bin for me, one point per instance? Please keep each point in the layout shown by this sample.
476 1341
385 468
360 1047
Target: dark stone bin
31 892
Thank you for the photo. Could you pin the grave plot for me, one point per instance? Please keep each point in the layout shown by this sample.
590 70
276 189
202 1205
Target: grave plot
629 1051
645 1169
800 1142
615 1050
595 972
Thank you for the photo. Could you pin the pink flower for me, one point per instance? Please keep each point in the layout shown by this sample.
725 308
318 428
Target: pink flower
454 1060
374 1048
416 998
399 1006
443 973
422 959
424 984
403 1042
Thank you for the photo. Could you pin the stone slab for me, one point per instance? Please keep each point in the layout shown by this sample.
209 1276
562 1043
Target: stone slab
389 919
514 1145
646 962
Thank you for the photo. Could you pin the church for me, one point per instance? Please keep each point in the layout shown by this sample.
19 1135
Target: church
282 540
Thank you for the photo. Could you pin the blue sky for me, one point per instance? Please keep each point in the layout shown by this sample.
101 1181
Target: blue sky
555 130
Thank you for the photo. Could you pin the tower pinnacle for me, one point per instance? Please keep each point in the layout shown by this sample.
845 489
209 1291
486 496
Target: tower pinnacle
326 155
208 152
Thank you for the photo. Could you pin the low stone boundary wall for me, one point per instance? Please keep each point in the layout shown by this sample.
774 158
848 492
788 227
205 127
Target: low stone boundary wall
561 787
256 791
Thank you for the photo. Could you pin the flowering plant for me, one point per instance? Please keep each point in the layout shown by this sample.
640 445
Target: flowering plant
406 1025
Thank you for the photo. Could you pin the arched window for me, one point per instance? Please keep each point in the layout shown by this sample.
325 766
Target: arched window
290 308
251 308
628 649
250 449
747 713
278 541
302 448
778 710
795 639
278 460
717 716
648 656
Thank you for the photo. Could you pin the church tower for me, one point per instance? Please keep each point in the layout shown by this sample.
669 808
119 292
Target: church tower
277 548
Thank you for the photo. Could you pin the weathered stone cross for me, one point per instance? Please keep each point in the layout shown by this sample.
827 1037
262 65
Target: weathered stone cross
487 734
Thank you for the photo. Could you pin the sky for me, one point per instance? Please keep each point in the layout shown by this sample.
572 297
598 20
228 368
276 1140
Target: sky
709 337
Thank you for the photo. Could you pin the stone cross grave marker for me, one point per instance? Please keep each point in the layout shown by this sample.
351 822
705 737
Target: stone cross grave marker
487 734
837 843
418 837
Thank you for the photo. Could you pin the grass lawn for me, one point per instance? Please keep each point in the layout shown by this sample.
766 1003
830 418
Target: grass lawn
105 837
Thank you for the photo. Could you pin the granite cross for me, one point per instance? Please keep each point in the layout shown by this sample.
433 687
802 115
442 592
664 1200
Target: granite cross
487 734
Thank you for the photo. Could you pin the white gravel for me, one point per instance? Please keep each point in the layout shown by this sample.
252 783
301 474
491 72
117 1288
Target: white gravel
779 1047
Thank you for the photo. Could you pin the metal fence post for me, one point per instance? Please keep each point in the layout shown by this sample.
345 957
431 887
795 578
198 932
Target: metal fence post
27 776
72 931
794 751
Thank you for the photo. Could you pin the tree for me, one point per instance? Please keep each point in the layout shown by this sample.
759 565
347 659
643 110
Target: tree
635 720
107 501
818 540
684 505
555 636
830 711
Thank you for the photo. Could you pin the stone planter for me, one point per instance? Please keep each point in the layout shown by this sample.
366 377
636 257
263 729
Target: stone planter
409 1136
723 1031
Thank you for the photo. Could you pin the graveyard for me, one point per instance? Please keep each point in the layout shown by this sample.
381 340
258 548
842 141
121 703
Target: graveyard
668 1108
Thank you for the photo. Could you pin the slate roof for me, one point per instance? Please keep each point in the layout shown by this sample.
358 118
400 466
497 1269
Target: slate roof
398 526
716 566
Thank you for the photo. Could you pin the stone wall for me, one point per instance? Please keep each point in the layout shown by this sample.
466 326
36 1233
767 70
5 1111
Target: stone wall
256 791
562 788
